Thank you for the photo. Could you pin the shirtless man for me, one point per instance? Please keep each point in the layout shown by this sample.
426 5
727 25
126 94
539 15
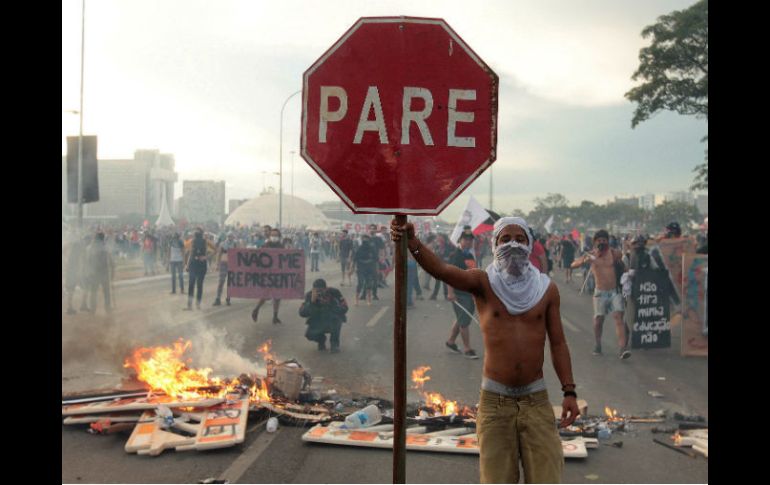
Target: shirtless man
518 306
607 296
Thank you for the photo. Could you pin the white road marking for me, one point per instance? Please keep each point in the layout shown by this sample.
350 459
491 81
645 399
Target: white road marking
248 457
569 325
376 317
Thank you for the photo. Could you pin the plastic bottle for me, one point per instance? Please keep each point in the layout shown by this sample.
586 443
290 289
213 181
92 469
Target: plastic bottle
272 425
166 416
368 416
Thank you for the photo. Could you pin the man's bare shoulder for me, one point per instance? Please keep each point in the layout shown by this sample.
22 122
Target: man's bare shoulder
552 291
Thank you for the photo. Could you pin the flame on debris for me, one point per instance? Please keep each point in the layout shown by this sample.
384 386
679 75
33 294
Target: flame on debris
433 399
418 376
438 402
264 349
612 414
164 370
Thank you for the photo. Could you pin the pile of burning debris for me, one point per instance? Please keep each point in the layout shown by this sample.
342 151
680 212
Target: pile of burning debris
186 409
684 431
183 408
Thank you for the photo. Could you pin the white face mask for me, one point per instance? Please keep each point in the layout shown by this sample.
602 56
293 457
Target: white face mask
512 258
274 238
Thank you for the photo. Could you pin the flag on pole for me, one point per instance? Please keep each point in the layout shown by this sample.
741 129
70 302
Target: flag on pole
474 216
548 223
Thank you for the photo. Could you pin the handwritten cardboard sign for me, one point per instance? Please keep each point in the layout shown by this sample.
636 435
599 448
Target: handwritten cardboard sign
266 273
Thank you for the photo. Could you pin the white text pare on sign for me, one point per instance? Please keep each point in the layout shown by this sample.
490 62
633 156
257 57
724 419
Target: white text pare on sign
408 116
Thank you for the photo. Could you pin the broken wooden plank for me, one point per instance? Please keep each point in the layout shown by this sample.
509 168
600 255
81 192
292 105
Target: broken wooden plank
223 425
136 404
115 418
108 396
701 449
684 452
465 443
281 411
148 438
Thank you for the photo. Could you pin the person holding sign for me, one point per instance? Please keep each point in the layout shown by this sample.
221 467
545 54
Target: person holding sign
517 306
273 242
221 258
607 268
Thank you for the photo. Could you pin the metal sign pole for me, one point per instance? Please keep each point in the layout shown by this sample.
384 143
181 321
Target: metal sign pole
399 361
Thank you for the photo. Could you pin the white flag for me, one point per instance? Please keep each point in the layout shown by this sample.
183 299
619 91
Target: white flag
474 215
548 224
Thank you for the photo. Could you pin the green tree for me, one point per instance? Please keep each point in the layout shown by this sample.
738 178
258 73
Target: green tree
550 201
669 211
674 70
702 173
545 207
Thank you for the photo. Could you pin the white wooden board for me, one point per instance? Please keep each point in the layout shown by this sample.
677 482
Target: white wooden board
135 404
149 438
441 441
223 425
113 418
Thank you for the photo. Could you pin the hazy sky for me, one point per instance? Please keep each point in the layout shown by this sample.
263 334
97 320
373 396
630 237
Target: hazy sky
205 81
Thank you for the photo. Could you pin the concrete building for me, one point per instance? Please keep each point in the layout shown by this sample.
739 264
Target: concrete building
203 201
630 201
647 202
702 203
681 196
128 186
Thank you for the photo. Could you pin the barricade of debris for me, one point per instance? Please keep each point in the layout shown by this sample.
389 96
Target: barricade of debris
169 405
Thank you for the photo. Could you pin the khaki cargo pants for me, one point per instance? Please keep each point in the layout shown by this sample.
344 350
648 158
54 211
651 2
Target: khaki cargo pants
513 427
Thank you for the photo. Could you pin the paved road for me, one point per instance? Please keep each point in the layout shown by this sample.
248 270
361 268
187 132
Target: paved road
226 339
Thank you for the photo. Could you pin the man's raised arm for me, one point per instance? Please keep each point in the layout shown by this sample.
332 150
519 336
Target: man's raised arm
463 280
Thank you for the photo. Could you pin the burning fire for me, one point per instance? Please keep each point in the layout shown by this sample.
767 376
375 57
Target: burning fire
163 369
433 399
612 414
419 377
264 349
438 402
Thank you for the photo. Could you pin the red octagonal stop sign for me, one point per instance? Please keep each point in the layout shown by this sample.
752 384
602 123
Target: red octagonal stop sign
399 116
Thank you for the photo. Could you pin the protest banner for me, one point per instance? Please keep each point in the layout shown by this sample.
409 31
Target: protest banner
266 273
695 340
650 318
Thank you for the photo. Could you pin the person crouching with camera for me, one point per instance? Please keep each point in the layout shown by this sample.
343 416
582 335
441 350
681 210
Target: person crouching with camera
325 310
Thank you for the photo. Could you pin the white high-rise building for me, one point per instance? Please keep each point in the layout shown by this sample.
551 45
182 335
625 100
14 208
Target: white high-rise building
647 202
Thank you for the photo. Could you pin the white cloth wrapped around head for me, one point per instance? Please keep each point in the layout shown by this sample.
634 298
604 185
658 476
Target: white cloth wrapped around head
516 282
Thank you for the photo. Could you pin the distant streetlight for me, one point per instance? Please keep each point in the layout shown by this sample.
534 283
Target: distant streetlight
291 219
80 113
490 189
280 162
